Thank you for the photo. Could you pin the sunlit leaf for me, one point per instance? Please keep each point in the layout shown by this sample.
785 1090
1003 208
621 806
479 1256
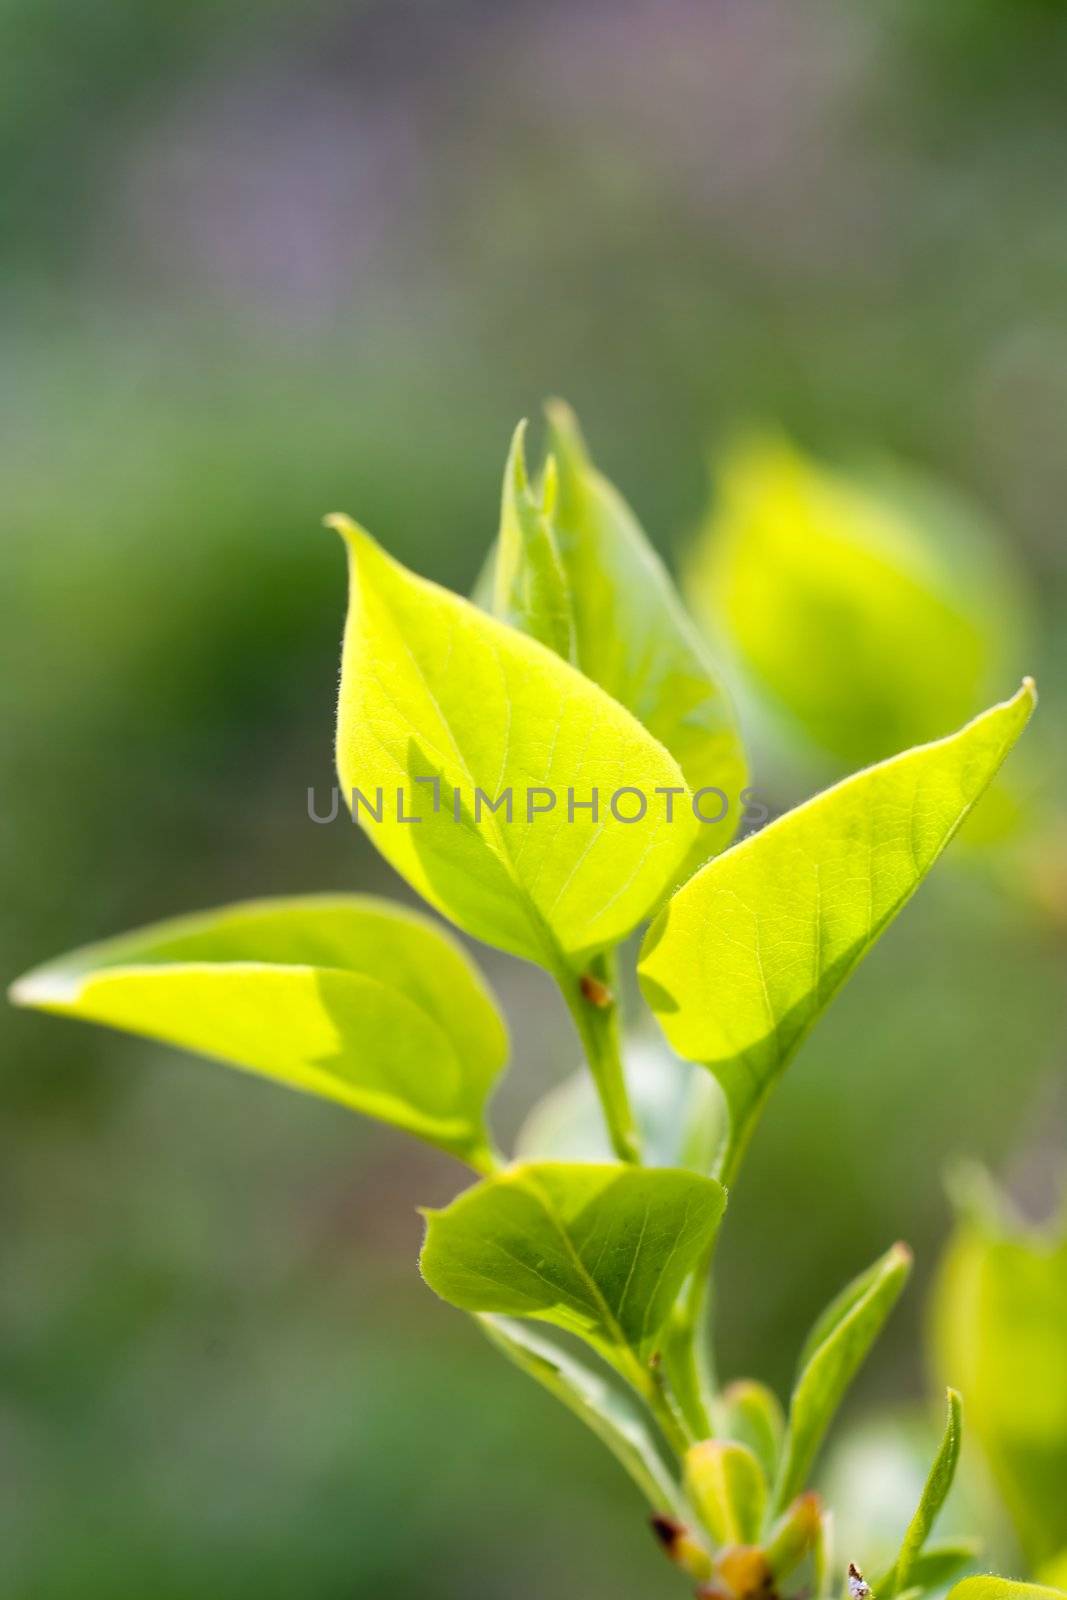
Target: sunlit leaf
746 956
801 568
600 1251
346 997
938 1483
830 1359
432 689
613 1412
1001 1333
990 1588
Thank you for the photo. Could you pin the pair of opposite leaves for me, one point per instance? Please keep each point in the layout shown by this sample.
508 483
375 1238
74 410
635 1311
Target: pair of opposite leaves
372 1006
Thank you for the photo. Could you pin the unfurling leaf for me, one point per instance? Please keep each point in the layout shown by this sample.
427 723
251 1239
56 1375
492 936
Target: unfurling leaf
530 588
873 611
901 1575
751 1413
609 1409
830 1359
600 1251
347 997
468 714
632 634
745 957
727 1489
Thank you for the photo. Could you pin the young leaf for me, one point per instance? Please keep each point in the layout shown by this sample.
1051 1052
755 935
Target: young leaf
802 568
530 589
829 1361
347 997
938 1483
600 1251
434 690
745 957
635 638
750 1413
611 1411
727 1489
941 1560
990 1588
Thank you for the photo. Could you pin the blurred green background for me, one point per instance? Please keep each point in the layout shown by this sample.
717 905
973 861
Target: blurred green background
263 262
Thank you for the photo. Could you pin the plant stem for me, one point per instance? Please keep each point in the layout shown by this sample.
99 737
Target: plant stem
594 1005
686 1358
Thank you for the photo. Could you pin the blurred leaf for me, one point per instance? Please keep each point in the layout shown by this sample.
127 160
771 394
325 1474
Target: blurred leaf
830 1359
613 1413
750 1413
1054 1572
530 589
349 998
433 689
600 1251
940 1561
1000 1325
727 1489
938 1483
678 1108
990 1588
746 956
802 568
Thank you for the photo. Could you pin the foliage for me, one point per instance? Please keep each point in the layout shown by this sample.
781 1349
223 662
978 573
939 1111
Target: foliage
485 755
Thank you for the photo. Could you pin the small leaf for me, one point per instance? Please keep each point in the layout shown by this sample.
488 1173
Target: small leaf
346 997
611 1411
727 1489
432 689
530 589
600 1251
678 1109
750 1413
746 956
801 568
837 1345
938 1483
990 1588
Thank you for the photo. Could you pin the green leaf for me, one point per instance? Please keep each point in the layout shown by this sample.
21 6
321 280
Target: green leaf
1000 1329
678 1109
938 1483
830 1359
530 589
346 997
940 1561
990 1588
801 568
750 1413
611 1411
727 1490
746 956
432 689
600 1251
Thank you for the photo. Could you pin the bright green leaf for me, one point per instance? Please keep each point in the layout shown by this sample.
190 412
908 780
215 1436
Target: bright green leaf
678 1109
831 1357
727 1489
1000 1322
990 1588
745 957
611 1411
600 1251
346 997
530 589
801 568
432 689
938 1483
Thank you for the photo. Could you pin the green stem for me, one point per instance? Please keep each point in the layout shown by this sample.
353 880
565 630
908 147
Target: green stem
594 1005
687 1354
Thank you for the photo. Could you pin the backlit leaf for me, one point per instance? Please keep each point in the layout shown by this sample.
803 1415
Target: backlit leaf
746 956
346 997
530 588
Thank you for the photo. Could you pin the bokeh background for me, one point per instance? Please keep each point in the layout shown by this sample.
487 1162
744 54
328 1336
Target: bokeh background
263 262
